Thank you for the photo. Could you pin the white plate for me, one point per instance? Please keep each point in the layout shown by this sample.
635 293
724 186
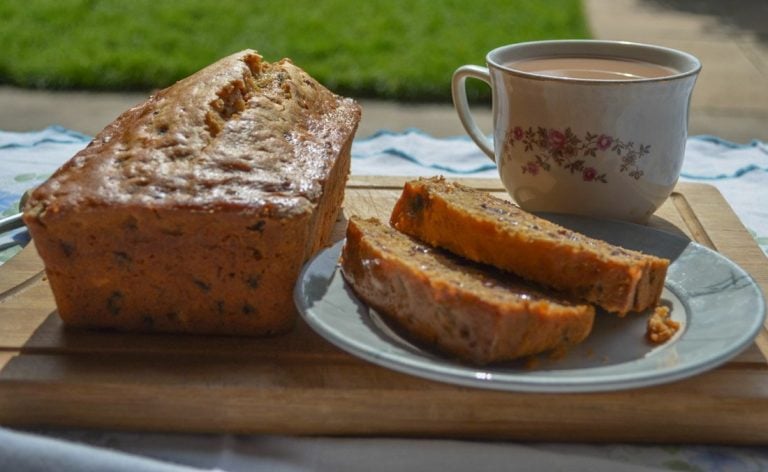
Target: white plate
720 307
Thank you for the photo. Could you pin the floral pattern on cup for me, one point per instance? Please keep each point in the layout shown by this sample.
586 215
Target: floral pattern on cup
568 151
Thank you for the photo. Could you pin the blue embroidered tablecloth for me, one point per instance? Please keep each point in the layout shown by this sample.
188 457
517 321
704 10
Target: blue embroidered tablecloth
740 171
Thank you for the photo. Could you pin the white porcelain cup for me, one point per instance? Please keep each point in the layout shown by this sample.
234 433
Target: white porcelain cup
604 148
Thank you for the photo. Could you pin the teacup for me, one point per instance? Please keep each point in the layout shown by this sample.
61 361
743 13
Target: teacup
581 126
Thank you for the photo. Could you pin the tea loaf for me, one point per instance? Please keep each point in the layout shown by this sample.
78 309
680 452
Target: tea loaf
475 313
195 210
487 229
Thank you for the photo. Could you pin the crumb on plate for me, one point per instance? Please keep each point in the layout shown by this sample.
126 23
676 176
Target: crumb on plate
660 326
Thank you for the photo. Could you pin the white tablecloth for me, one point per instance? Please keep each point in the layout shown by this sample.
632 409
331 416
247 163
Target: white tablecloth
739 171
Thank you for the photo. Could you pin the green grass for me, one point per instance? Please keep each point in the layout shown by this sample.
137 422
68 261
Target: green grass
392 49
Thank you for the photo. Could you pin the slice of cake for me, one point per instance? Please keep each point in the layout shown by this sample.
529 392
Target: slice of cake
476 313
493 231
195 210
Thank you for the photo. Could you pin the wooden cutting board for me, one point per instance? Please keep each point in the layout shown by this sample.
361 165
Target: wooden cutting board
300 384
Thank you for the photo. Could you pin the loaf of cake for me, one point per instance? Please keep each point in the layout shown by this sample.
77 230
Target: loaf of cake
486 229
475 313
195 210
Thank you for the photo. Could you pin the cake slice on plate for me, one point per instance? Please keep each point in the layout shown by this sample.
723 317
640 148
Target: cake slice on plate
473 312
483 228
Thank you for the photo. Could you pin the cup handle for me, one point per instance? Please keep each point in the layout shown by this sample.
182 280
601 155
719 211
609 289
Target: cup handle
460 102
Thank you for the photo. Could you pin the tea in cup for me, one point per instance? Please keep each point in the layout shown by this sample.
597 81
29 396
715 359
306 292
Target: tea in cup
587 127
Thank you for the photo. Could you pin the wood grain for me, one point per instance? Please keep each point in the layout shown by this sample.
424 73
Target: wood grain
300 384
